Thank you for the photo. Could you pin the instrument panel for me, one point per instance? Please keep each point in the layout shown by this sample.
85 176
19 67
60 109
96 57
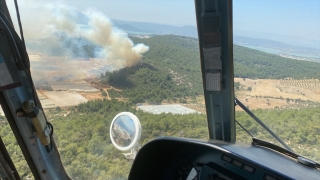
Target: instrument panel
189 159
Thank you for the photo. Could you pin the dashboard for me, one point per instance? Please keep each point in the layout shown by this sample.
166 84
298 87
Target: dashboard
190 159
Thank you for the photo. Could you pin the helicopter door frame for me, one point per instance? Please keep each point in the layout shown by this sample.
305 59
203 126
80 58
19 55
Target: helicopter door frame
215 32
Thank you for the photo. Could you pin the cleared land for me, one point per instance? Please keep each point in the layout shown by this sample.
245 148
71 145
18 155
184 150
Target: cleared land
270 93
310 84
73 87
254 93
92 95
45 102
65 98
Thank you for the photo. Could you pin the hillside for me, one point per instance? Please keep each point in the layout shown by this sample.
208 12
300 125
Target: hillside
83 138
170 70
144 83
249 63
175 51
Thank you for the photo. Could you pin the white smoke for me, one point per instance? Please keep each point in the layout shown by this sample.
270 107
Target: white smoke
51 20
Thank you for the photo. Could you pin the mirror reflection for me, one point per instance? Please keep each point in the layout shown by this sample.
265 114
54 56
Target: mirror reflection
123 131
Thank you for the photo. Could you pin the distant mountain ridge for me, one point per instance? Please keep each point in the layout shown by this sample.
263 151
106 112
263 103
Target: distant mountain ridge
241 40
154 28
257 39
287 39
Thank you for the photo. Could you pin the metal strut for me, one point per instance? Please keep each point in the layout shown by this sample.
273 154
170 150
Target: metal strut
261 123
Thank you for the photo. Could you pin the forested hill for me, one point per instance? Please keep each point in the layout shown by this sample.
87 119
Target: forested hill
181 55
171 70
83 138
249 63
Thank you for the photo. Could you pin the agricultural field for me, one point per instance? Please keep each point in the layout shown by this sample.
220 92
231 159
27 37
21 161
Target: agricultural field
62 81
73 87
254 93
65 98
46 102
271 93
310 84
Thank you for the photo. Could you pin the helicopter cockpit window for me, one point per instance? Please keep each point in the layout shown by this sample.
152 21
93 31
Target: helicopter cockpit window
277 72
91 60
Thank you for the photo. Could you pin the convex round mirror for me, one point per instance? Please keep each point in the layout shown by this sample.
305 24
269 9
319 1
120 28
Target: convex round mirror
125 131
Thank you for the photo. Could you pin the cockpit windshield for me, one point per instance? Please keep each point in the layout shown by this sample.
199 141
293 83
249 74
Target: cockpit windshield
91 60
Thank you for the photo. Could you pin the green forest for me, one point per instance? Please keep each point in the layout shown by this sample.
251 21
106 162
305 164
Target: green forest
144 83
87 152
170 70
250 63
181 54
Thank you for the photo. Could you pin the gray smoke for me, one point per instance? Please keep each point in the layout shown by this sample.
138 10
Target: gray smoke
65 27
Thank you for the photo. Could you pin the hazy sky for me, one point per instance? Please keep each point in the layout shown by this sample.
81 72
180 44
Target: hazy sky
285 17
290 17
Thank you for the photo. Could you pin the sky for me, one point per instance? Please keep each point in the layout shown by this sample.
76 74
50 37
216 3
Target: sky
293 18
287 17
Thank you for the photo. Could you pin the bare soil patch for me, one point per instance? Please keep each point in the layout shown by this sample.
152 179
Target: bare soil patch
92 95
246 82
271 93
65 98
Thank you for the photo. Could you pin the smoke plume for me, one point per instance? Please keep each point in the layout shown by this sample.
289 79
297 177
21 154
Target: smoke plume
69 31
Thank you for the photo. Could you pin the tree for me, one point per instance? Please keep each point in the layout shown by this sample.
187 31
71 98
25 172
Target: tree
288 100
104 93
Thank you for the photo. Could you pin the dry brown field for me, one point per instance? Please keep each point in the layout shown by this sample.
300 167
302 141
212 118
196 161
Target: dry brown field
91 95
254 93
65 98
269 93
